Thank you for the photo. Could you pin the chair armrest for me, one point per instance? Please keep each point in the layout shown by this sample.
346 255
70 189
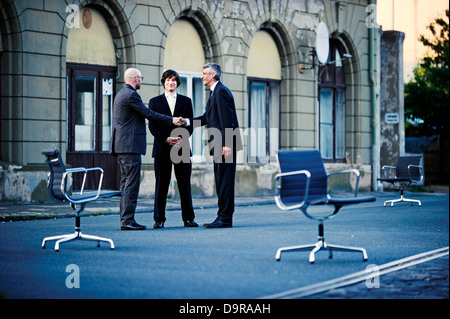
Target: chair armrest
278 186
383 170
348 171
85 171
420 170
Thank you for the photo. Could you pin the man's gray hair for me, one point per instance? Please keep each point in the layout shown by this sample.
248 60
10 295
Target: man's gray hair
214 67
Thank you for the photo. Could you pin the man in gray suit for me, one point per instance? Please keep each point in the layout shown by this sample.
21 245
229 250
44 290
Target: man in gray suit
129 142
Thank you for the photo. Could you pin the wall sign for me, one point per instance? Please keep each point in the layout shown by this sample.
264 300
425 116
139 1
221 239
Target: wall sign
391 118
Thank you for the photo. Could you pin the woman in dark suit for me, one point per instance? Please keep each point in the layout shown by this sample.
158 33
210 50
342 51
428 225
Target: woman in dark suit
171 148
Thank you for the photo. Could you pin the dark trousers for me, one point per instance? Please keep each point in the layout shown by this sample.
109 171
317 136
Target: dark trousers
130 178
224 176
163 173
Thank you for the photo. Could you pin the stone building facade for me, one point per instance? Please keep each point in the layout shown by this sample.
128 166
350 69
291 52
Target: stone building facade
63 61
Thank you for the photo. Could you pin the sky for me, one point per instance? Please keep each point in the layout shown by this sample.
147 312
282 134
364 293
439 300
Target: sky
411 17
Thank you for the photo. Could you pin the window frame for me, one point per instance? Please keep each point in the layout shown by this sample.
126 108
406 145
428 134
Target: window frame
190 75
251 158
99 72
335 81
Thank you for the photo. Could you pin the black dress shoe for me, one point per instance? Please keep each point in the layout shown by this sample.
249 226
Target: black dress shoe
217 224
133 226
159 225
190 223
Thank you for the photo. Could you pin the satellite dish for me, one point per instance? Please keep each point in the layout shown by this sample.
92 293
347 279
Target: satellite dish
322 42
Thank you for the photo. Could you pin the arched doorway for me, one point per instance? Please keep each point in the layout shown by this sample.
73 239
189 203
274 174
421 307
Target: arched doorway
91 73
11 104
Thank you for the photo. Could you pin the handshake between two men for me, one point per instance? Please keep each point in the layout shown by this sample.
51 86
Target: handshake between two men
178 121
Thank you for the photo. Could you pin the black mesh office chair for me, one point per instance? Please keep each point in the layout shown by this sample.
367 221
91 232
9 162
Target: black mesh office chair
303 182
57 190
407 172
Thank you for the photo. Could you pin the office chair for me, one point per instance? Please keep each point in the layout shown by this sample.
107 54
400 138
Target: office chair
57 189
407 172
303 182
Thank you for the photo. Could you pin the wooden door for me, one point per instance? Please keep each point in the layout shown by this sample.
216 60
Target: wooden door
90 92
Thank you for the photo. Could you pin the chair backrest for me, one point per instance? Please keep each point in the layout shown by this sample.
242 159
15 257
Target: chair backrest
293 187
403 162
57 169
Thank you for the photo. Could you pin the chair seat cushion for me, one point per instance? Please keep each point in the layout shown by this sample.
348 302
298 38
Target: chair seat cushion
394 179
334 200
90 195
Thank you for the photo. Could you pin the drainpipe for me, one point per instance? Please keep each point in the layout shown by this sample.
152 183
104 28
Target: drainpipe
373 103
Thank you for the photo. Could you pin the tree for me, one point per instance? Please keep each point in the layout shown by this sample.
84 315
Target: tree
426 96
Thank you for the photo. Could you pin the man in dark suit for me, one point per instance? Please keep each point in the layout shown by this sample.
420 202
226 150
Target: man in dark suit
128 142
224 142
167 148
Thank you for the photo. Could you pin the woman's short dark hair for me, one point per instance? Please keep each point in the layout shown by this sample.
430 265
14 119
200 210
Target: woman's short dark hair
170 74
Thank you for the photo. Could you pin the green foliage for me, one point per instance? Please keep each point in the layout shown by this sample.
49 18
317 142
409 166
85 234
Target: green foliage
426 96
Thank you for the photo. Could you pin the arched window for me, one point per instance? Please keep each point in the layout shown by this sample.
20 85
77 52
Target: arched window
332 106
264 78
184 53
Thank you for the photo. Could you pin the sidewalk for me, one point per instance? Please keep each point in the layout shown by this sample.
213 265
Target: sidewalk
23 211
10 211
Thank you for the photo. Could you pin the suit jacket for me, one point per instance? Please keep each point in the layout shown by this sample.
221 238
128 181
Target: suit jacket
220 116
183 108
129 114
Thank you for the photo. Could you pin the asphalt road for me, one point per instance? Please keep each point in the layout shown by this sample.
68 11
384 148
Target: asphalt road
197 263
